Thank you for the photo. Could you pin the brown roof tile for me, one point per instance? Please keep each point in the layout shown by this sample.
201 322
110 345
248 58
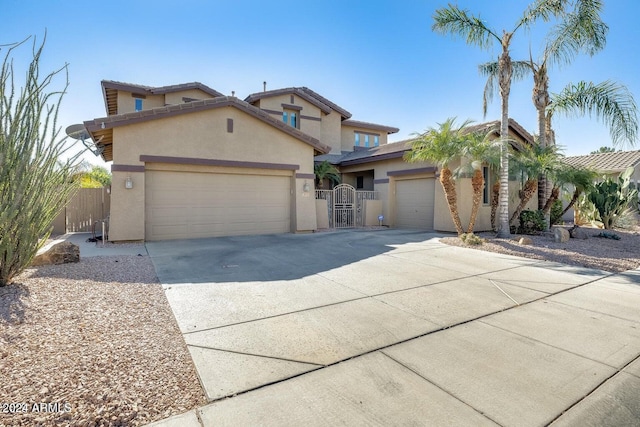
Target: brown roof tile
372 126
321 102
606 162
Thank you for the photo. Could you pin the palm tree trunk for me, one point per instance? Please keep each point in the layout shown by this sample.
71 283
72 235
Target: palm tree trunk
555 193
449 187
495 196
526 194
504 78
574 199
477 183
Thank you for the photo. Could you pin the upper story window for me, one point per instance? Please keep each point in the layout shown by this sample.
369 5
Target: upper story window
291 118
138 104
366 140
376 140
357 140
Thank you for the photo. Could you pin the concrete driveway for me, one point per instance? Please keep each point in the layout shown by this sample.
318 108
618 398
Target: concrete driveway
392 327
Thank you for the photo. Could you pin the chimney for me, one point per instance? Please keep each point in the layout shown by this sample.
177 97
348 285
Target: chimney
264 86
233 93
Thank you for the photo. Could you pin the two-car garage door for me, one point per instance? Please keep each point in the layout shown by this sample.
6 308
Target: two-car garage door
415 203
184 205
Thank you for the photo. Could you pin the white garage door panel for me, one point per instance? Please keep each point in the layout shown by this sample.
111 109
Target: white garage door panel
189 205
415 203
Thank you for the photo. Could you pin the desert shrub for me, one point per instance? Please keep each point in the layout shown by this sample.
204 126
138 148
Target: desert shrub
35 179
531 222
471 239
611 198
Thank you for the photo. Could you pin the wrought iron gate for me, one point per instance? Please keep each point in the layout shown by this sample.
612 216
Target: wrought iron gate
344 206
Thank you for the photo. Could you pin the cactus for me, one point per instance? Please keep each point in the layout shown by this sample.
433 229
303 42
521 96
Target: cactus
611 198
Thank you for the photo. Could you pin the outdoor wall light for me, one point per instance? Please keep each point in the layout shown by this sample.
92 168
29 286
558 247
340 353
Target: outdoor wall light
305 187
128 184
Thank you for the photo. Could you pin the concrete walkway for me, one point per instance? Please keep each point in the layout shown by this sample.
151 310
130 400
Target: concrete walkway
394 328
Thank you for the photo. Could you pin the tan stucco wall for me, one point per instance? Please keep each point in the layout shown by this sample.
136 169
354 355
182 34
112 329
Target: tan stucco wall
308 126
204 135
127 104
176 97
330 131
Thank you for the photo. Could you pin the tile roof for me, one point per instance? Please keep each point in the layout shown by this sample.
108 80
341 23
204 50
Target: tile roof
395 150
606 162
314 98
101 129
372 126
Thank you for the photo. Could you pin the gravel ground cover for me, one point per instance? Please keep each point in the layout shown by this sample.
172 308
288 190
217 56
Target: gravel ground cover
92 344
601 253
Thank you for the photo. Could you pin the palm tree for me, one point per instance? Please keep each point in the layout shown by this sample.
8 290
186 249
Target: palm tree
326 170
479 149
532 162
581 30
441 146
452 20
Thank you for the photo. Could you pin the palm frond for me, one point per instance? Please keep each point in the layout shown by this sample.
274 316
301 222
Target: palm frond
608 101
542 9
582 30
457 22
519 70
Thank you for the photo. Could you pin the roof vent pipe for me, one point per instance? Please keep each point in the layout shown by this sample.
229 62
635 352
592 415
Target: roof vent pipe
264 86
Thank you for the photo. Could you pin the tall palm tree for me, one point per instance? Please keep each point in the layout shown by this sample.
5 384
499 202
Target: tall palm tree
480 150
532 162
579 31
452 20
441 146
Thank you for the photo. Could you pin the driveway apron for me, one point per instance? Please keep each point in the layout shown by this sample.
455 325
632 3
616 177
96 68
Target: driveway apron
392 327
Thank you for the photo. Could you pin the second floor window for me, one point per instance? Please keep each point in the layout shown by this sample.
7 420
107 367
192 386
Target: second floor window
376 140
290 118
366 140
357 140
138 104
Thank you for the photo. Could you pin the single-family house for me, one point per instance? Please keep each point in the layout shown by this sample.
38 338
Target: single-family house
191 162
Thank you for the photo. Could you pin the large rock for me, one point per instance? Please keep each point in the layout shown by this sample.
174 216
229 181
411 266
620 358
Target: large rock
561 235
525 241
60 253
577 232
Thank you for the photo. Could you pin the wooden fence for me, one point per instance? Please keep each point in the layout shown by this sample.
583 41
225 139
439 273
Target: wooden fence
83 210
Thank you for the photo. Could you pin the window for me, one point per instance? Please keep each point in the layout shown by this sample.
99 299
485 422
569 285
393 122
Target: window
357 141
366 140
138 104
290 118
376 140
486 195
360 182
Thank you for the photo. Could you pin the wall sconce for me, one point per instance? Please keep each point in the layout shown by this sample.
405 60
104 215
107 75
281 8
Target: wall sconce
305 187
128 184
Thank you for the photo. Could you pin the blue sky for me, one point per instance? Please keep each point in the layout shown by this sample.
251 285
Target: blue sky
377 59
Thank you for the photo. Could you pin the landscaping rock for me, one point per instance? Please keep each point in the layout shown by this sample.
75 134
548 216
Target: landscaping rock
561 235
525 241
577 232
61 253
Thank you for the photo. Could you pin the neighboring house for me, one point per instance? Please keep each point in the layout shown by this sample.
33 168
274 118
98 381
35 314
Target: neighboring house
609 164
190 162
606 164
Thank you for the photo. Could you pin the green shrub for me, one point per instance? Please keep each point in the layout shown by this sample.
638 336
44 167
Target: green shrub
531 222
556 212
471 239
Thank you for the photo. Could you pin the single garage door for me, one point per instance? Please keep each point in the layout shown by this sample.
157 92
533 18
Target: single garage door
185 205
415 203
